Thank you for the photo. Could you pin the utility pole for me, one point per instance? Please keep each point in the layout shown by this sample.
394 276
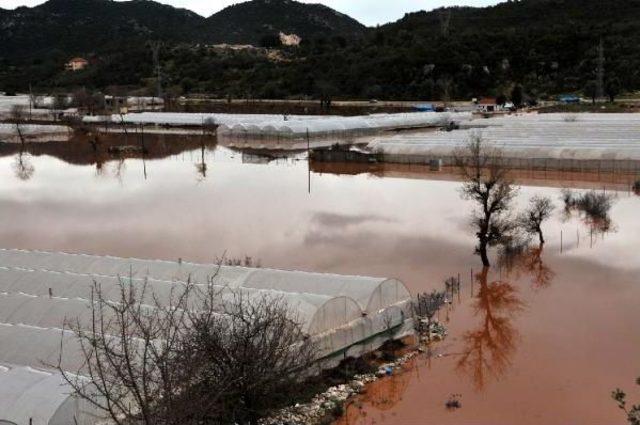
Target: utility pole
155 49
600 71
30 101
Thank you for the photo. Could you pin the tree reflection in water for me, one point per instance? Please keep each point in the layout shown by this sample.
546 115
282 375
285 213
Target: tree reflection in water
22 166
488 349
528 262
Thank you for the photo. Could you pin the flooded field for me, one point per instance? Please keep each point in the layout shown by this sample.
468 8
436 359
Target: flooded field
542 340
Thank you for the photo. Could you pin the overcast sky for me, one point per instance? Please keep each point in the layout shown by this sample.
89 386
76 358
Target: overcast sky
369 12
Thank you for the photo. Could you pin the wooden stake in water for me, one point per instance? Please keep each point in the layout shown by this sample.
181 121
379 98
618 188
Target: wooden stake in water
308 163
472 282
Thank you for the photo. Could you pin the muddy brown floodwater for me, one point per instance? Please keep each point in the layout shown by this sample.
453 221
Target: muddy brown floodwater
541 340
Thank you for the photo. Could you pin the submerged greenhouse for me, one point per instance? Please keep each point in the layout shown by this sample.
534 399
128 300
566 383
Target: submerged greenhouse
561 141
343 315
335 126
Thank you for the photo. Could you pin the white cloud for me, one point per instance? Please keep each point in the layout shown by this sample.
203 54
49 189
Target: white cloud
369 12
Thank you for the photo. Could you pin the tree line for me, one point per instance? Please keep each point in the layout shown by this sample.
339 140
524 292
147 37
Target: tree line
472 53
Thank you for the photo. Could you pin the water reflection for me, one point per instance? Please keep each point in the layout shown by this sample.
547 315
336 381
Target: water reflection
527 262
407 228
593 208
92 149
488 349
23 167
383 395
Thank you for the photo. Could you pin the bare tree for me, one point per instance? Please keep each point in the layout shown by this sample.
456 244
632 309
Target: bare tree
132 354
18 115
22 166
259 351
86 101
539 210
594 207
427 305
202 354
487 183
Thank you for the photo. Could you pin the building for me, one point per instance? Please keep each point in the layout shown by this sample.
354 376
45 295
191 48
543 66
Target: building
290 39
76 64
488 104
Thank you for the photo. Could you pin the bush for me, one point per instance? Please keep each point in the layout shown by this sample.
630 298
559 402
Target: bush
595 205
636 187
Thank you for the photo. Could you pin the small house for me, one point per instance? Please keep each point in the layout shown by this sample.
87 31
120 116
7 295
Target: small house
76 64
488 104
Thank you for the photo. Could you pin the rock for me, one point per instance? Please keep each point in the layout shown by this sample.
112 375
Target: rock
357 386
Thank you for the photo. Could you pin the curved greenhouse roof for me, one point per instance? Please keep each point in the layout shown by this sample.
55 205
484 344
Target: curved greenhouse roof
370 293
595 137
39 397
40 291
334 125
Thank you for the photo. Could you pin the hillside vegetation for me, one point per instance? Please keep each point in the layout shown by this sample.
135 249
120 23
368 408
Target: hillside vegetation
545 46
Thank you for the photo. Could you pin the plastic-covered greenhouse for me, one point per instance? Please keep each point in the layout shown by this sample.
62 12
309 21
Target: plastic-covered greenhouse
39 397
344 315
336 126
187 119
581 141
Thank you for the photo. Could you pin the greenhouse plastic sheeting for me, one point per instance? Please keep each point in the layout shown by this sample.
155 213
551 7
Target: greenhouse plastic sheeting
327 126
39 290
41 293
39 397
193 119
533 136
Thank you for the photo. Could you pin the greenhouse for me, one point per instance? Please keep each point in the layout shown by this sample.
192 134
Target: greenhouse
609 141
188 119
34 133
39 397
334 126
41 291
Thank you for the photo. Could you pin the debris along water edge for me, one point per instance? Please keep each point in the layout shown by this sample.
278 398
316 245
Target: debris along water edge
331 402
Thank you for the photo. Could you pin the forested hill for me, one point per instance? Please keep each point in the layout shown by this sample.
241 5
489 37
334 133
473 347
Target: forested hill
522 15
84 26
249 22
550 46
80 27
546 46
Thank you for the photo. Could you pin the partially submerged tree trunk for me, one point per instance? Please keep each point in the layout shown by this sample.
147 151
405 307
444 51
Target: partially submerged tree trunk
539 210
487 184
18 115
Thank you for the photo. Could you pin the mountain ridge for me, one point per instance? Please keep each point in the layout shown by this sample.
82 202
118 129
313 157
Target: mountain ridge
87 26
546 46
